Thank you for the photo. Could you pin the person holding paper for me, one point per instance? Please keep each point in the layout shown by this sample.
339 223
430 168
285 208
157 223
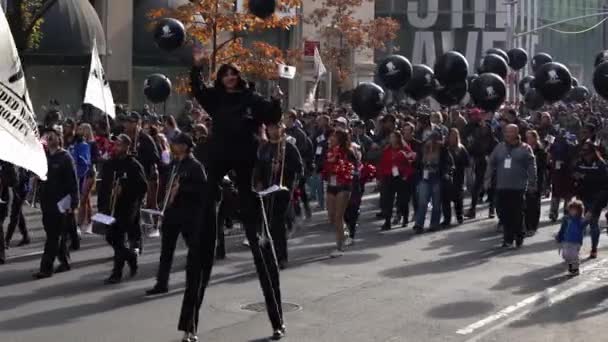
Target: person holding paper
514 165
58 200
279 164
124 171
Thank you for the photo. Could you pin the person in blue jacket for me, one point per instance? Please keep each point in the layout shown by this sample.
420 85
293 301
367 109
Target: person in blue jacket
570 235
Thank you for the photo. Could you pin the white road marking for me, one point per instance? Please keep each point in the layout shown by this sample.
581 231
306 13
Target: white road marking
546 295
24 255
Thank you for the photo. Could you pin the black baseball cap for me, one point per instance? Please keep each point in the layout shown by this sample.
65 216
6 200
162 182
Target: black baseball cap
134 117
183 139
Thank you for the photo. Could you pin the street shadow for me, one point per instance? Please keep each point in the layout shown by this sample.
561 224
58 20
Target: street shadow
445 265
577 307
458 310
352 259
65 315
533 281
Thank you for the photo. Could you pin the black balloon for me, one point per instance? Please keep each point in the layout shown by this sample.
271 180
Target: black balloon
368 100
471 79
488 92
526 83
601 58
157 88
450 95
494 64
579 94
262 8
600 80
451 67
518 58
499 52
533 99
574 82
553 81
421 84
394 71
540 60
169 34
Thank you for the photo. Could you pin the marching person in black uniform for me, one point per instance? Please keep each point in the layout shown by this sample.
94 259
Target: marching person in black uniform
61 182
145 151
20 191
279 164
238 114
184 214
122 177
8 178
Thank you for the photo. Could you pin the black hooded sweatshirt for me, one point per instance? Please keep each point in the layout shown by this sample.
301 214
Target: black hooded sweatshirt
237 118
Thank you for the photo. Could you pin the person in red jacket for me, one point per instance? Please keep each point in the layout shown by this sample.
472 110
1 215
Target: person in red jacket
394 169
338 171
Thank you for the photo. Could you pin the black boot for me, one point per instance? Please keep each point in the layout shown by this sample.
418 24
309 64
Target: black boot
157 289
387 225
114 278
470 214
132 262
279 333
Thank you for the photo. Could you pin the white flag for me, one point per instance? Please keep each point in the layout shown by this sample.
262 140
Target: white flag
320 69
19 136
98 93
287 71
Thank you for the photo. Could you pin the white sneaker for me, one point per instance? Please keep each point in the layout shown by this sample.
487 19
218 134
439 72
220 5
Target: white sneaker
87 229
336 254
246 242
349 241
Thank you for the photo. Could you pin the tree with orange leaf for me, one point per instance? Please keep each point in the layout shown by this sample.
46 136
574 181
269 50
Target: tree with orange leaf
221 29
343 35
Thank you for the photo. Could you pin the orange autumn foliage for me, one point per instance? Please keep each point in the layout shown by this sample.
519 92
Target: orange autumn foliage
343 35
221 30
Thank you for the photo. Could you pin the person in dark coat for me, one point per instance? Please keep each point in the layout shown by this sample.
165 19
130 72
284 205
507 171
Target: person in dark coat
61 185
238 115
279 164
453 192
532 204
145 151
8 179
124 171
186 210
17 220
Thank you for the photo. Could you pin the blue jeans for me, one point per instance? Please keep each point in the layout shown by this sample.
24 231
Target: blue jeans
594 227
317 189
428 191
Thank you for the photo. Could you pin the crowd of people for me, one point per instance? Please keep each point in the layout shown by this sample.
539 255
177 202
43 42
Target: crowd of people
263 166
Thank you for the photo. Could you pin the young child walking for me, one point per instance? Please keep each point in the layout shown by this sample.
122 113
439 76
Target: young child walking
570 235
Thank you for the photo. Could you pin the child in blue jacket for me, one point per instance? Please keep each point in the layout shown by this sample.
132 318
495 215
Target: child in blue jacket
570 235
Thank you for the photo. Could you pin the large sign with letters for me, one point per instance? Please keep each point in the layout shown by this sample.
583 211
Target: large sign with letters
430 28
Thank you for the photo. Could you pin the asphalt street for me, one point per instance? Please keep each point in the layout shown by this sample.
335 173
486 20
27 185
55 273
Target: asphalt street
452 285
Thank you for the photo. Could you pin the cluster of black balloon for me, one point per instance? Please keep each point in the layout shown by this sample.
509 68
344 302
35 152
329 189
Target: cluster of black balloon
448 82
600 75
551 82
